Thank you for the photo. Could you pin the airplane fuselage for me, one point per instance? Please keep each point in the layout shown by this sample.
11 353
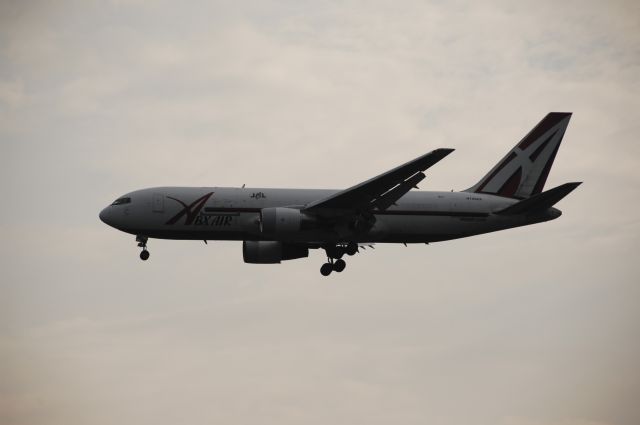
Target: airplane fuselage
225 213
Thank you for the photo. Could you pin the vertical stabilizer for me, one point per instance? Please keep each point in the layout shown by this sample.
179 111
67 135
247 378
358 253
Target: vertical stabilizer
524 170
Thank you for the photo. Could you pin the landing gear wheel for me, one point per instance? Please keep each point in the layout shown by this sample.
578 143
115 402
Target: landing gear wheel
142 243
326 269
351 248
339 265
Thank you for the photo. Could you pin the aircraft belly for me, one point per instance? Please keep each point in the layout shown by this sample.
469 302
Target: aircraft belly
415 228
418 228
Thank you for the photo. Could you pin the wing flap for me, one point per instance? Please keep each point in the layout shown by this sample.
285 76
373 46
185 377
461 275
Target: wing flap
389 198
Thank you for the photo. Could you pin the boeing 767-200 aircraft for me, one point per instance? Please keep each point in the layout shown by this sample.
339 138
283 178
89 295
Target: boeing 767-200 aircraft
283 224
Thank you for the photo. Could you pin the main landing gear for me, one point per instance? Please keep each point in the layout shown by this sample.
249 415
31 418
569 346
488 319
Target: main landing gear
335 263
331 266
142 243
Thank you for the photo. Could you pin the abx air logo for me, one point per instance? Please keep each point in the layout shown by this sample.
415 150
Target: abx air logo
191 211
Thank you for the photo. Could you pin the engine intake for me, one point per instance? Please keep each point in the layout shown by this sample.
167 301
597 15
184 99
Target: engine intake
271 252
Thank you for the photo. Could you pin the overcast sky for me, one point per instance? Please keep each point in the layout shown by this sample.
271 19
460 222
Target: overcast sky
531 326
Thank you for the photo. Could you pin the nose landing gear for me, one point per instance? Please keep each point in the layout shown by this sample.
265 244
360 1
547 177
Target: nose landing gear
142 243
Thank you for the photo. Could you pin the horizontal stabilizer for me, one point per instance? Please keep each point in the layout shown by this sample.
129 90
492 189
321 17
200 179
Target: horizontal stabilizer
541 201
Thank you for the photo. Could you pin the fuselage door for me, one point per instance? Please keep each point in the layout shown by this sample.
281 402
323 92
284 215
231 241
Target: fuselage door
157 202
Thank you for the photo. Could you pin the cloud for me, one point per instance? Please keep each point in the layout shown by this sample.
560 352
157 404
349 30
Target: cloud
528 327
522 421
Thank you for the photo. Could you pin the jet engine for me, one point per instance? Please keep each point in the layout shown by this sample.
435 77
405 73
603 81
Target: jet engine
282 221
270 252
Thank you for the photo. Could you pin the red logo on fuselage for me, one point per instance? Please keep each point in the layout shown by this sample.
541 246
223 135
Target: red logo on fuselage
191 211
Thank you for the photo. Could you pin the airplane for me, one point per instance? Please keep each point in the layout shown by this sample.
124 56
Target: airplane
276 225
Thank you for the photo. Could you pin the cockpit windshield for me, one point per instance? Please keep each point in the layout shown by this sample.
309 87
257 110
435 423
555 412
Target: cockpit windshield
121 201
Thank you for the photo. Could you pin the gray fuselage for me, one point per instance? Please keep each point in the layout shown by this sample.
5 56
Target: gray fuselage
223 213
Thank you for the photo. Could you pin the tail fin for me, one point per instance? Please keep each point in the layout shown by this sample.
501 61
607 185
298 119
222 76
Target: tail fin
523 171
541 201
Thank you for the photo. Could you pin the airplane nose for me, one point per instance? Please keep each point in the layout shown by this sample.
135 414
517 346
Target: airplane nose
104 215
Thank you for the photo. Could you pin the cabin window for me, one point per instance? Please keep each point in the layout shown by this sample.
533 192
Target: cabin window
121 201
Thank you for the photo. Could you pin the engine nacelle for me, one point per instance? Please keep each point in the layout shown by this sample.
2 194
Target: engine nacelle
270 252
280 221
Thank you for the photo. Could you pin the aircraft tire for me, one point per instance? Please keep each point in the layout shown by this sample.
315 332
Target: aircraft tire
352 248
339 265
326 269
144 255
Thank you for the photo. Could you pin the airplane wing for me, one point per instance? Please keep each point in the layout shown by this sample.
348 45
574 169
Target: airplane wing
381 191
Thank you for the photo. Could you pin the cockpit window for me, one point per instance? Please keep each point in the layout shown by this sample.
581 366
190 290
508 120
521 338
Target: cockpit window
121 201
